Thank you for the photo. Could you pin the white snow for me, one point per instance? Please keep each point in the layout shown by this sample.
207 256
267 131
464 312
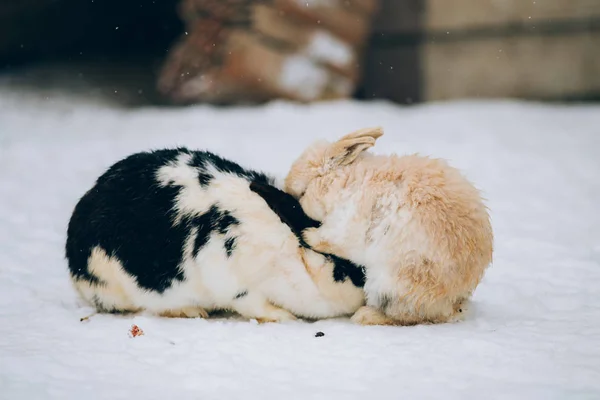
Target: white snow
535 328
302 77
325 47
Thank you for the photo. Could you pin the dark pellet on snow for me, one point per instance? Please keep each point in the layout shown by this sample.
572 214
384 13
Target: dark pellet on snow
319 334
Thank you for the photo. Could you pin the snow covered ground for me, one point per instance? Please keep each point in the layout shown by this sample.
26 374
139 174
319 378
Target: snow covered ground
534 332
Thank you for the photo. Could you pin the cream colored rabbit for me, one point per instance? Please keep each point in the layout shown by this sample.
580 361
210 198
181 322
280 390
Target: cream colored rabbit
418 226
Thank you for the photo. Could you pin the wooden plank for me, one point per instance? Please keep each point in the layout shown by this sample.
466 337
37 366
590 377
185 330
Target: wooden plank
349 26
399 16
369 7
393 74
467 14
313 41
534 67
265 71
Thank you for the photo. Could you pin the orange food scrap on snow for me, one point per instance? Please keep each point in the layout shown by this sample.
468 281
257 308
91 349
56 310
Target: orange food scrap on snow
135 331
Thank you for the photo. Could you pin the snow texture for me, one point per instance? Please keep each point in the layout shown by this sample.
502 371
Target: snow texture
534 331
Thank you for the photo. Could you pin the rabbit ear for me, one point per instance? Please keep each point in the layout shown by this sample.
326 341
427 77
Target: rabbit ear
375 133
345 150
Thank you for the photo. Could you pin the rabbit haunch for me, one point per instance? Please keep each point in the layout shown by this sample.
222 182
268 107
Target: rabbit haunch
420 229
179 232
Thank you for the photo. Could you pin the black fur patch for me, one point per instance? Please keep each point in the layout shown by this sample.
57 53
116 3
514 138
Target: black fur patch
225 221
204 178
291 213
213 219
345 269
230 246
241 294
130 216
201 159
286 207
204 225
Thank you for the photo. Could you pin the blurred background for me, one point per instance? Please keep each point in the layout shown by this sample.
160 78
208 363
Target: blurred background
175 52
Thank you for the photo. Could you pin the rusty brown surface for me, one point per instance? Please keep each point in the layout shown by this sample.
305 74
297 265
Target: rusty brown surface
258 43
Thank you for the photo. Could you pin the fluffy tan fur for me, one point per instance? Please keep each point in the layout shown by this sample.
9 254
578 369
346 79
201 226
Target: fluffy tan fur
420 228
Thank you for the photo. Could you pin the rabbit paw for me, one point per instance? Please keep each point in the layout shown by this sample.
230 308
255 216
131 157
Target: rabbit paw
277 315
314 238
253 306
371 316
185 312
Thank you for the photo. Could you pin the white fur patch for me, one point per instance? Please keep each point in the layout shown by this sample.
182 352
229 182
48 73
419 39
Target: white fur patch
177 172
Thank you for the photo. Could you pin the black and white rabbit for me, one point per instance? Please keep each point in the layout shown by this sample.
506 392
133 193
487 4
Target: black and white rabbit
179 233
